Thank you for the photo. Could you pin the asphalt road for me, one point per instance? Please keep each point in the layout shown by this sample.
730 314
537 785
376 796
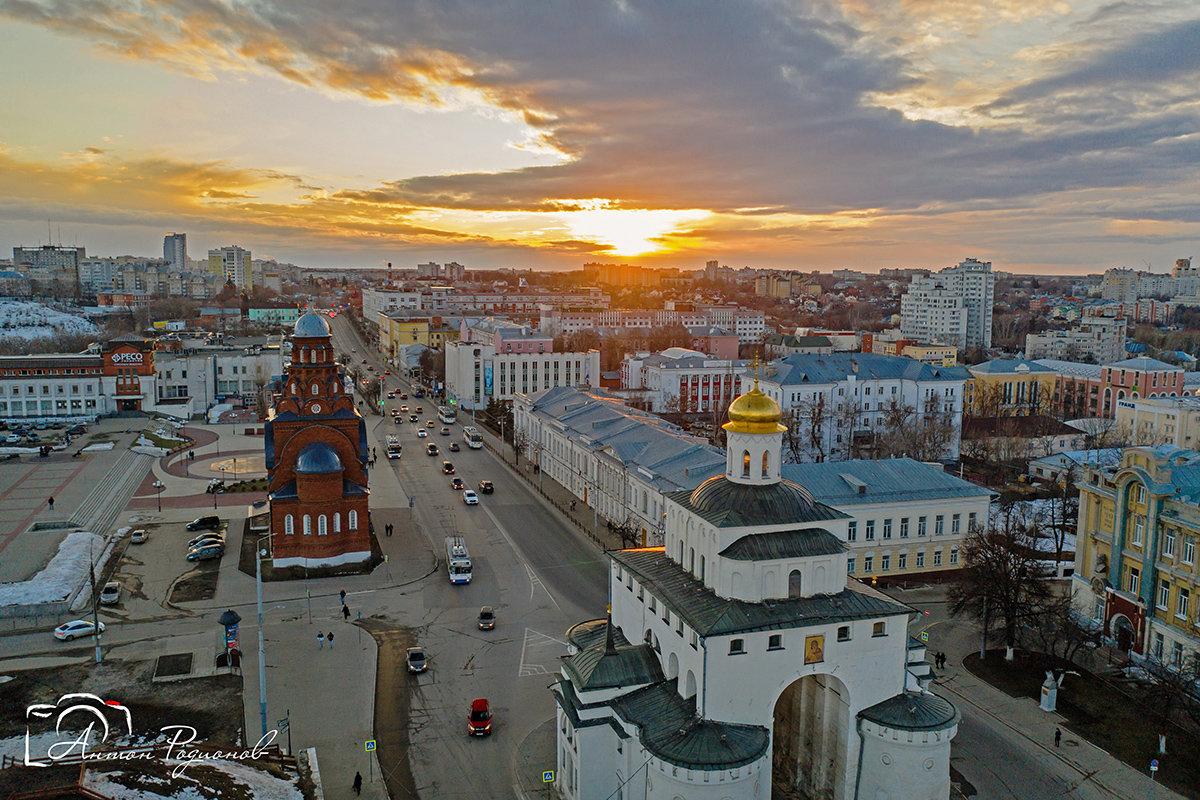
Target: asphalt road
538 572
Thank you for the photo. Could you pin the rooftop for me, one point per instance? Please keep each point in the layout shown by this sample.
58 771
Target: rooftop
727 504
1071 369
1144 363
913 711
802 368
892 480
1009 366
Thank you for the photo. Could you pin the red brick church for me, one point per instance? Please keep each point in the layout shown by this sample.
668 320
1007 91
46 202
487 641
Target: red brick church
316 443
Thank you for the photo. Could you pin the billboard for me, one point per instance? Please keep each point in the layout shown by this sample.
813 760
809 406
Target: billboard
487 378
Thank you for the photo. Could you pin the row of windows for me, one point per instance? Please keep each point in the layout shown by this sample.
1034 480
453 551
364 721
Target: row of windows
306 523
30 389
45 407
885 561
25 372
737 647
939 527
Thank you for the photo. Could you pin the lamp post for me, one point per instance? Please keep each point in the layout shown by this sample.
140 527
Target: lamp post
158 489
259 554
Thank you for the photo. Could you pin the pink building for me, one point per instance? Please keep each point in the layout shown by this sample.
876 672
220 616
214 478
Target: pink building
1138 377
714 341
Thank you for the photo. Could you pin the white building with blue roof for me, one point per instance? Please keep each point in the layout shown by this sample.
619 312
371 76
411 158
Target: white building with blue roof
740 661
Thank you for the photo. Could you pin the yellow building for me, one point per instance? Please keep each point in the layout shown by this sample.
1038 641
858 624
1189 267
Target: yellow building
1010 387
941 355
1135 554
399 332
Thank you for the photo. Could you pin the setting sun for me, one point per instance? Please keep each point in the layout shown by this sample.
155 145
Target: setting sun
627 232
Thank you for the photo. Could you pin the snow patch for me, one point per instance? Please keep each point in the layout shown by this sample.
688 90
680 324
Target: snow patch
68 568
24 320
92 448
253 782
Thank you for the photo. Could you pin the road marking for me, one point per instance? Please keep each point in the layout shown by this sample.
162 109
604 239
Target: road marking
536 640
521 557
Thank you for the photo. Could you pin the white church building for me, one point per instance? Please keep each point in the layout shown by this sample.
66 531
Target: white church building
740 661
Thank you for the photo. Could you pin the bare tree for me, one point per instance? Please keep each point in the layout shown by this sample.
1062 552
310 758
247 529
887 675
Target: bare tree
1060 514
1054 630
1003 583
815 418
1171 691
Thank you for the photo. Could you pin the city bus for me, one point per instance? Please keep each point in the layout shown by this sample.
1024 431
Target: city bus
458 560
472 438
393 446
446 415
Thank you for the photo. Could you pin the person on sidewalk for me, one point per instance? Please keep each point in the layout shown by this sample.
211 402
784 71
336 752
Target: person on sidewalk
358 783
320 640
345 612
50 503
1058 737
342 593
329 636
572 505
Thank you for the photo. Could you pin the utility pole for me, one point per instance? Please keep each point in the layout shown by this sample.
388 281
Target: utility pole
95 602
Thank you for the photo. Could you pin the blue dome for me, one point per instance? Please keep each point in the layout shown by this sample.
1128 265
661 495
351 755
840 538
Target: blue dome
311 325
318 458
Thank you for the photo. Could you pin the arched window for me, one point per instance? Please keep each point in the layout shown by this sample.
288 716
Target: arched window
794 584
691 559
294 388
352 520
689 686
745 463
702 566
316 388
307 525
766 462
337 522
289 525
680 551
322 526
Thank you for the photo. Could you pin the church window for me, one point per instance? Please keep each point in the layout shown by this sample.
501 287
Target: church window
794 584
315 388
691 559
322 525
745 463
352 520
766 463
681 551
737 647
843 633
307 525
879 629
289 525
701 567
775 641
337 522
294 389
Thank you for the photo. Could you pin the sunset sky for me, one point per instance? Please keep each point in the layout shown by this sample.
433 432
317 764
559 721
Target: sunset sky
1046 137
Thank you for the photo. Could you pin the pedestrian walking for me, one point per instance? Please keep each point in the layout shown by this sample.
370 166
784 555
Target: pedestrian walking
343 596
572 505
329 636
358 783
51 503
345 612
320 641
1058 737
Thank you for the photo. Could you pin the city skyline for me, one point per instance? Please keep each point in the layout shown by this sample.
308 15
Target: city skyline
1045 138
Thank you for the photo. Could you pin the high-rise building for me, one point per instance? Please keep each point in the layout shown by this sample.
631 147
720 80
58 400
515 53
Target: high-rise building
234 263
175 250
50 263
953 306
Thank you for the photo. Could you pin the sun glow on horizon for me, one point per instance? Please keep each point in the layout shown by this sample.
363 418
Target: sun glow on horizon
628 232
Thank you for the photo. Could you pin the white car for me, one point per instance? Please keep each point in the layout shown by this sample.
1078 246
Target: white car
139 536
13 438
470 498
110 595
421 433
74 629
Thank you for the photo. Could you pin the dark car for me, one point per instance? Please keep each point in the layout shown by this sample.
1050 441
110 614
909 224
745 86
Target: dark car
487 618
454 448
397 421
207 538
445 431
206 552
431 450
77 430
479 720
447 467
486 487
412 417
404 395
457 484
210 523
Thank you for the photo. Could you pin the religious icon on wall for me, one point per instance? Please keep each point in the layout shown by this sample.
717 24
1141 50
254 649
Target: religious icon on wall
814 649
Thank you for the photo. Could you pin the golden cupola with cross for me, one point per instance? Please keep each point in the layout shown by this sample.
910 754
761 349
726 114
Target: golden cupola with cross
754 438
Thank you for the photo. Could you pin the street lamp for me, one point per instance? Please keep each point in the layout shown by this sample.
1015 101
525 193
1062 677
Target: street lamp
259 553
158 488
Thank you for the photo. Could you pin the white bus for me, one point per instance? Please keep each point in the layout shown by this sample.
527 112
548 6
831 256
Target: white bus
472 437
447 415
393 446
458 560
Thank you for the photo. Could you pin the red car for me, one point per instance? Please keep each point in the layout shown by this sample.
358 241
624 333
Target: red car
479 721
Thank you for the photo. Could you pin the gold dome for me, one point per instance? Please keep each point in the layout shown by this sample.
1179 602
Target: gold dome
754 412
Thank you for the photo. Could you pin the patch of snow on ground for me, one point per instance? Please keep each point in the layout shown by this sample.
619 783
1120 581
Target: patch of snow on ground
60 577
150 450
256 783
24 320
92 448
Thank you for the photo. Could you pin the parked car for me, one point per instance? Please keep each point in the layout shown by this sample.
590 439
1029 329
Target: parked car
13 438
206 552
77 430
486 487
454 448
110 595
74 629
207 538
487 618
447 468
479 720
456 484
138 536
431 450
416 659
209 523
469 497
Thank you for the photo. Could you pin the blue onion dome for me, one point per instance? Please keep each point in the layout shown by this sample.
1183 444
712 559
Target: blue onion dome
318 458
311 325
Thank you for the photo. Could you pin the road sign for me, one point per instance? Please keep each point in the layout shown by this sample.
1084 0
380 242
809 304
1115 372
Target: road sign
1154 765
282 725
370 745
548 776
924 636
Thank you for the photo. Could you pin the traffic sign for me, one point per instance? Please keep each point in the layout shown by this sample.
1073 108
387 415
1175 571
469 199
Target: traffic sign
548 776
370 746
1154 765
282 725
924 636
